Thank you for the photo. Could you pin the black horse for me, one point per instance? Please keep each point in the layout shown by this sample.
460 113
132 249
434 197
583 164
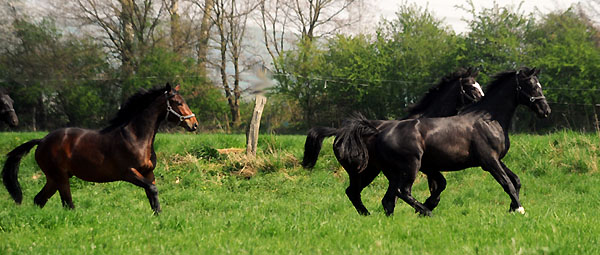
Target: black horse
452 93
7 112
477 136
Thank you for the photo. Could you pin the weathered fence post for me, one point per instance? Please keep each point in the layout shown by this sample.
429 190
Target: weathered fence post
252 136
259 88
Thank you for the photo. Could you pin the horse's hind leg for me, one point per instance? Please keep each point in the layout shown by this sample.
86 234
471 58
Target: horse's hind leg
357 183
402 183
437 184
46 193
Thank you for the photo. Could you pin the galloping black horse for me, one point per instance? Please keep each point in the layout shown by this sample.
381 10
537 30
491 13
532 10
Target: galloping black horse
452 93
445 99
477 136
123 151
7 112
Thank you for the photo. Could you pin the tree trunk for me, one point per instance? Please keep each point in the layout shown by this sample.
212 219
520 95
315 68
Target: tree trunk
204 36
127 48
176 37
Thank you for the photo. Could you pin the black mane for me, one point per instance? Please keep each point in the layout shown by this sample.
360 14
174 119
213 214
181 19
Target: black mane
498 79
133 106
432 95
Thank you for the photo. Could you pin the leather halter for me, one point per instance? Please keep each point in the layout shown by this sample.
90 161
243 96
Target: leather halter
170 110
531 98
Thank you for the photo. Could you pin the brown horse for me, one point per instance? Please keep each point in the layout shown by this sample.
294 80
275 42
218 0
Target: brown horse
123 151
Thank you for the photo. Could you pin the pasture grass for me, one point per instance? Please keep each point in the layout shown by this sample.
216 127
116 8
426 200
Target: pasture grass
226 204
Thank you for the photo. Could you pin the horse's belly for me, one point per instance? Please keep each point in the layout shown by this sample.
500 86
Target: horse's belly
447 157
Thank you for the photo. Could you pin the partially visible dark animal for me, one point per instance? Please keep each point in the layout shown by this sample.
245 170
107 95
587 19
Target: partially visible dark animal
123 151
7 111
477 136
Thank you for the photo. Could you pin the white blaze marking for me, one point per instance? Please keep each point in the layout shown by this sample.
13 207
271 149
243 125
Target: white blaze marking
539 85
521 210
478 87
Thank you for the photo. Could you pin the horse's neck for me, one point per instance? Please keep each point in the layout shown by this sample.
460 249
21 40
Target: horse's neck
445 105
144 126
501 105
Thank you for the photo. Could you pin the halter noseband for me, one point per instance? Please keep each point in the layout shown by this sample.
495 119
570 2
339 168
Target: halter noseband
170 110
7 110
531 98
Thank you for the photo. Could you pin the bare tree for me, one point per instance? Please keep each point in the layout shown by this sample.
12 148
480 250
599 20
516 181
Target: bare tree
230 19
128 27
206 6
308 19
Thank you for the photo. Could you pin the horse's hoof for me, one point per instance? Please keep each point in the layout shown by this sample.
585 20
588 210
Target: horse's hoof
364 213
520 210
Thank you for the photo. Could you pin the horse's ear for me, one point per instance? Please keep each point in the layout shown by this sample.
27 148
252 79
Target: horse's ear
177 87
532 72
168 87
537 71
475 73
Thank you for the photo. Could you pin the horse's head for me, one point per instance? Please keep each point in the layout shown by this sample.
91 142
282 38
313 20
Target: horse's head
7 111
470 90
529 91
178 111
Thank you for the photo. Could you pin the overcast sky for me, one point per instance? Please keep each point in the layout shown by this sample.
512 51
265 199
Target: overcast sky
453 16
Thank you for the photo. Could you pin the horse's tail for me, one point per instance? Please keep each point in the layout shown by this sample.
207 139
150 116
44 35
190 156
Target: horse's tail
11 169
314 141
350 147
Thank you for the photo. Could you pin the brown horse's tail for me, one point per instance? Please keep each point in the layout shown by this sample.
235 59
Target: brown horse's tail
11 169
314 141
350 147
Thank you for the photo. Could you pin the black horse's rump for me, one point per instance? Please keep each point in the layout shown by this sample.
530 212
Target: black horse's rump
477 136
350 142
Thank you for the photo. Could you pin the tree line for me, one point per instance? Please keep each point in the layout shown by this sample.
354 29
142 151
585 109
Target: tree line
73 66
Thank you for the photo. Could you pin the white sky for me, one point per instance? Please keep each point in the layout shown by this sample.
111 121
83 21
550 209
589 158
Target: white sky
445 9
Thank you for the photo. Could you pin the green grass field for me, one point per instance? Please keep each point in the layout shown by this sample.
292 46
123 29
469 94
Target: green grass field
214 204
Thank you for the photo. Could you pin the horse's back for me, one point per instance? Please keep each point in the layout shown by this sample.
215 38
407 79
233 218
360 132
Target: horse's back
400 139
72 151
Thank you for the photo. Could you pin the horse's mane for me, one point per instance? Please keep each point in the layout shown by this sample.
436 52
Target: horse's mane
432 95
133 106
498 79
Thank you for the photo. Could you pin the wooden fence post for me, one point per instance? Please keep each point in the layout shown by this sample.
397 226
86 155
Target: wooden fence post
254 126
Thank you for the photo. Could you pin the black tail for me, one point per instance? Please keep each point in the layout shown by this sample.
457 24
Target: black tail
349 145
314 141
11 169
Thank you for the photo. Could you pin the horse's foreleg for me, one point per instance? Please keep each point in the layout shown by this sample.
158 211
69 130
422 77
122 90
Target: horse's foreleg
134 177
64 189
357 183
405 193
437 184
515 181
495 168
152 193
